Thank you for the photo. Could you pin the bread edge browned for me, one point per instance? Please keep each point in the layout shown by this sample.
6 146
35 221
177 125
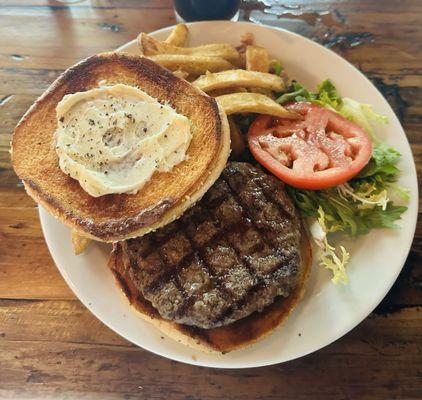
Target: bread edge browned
160 214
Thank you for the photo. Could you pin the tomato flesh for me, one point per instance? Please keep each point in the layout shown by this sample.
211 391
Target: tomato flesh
319 149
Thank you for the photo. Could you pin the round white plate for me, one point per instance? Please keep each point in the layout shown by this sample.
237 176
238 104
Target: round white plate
327 311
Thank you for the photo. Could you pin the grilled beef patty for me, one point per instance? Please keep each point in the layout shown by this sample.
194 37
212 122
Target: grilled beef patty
228 256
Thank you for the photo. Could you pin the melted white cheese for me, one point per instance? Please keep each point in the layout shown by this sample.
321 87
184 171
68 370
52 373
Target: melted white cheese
112 139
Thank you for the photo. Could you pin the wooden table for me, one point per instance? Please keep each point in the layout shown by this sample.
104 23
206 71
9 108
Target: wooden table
52 347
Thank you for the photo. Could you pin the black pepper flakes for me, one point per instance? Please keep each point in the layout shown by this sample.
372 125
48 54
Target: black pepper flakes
91 122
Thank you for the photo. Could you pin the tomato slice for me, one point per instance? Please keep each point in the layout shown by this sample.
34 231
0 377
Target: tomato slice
318 150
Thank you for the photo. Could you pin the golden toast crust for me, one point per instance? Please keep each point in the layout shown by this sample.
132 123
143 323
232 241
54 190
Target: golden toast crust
118 216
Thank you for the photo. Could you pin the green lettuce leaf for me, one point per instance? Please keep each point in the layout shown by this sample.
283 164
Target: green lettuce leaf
277 68
362 115
326 95
346 214
296 92
383 161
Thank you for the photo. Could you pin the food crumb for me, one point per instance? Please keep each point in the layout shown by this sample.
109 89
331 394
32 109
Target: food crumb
194 358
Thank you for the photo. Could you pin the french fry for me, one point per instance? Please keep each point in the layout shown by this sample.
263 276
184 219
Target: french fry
192 64
79 242
178 35
239 77
241 63
237 103
151 46
269 93
257 59
180 74
229 90
245 40
238 144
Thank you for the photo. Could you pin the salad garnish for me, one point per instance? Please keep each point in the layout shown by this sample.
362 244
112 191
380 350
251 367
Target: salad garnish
364 202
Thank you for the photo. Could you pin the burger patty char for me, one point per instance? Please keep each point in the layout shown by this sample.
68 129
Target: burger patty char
229 255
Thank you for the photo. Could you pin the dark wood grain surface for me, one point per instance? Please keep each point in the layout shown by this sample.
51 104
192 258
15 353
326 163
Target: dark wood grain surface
52 347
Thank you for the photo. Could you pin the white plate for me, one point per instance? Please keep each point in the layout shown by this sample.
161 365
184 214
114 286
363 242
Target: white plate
327 311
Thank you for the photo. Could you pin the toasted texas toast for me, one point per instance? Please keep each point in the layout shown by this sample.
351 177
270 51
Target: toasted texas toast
223 339
119 216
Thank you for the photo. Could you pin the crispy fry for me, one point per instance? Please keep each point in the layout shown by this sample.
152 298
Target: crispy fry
241 63
237 103
181 74
196 65
229 90
79 242
238 144
245 40
239 77
178 35
257 59
267 92
151 46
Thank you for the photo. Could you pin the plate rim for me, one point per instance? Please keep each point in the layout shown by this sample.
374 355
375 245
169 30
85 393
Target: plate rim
348 327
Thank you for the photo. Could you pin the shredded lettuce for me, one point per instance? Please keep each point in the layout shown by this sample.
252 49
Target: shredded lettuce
350 214
363 203
329 258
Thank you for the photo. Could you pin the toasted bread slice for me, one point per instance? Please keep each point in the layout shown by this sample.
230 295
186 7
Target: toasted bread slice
167 195
223 339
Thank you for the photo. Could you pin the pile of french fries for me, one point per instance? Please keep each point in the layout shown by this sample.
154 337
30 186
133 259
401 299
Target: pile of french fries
238 78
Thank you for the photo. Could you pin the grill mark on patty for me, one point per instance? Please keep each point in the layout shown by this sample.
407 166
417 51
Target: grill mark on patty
171 272
229 178
199 251
224 209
